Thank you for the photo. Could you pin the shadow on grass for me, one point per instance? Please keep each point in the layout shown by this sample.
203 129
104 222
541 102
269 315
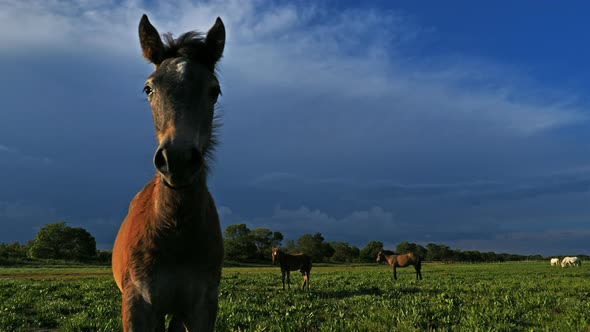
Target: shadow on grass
347 293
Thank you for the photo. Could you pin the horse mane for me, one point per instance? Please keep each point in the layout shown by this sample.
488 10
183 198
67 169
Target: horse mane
191 45
209 154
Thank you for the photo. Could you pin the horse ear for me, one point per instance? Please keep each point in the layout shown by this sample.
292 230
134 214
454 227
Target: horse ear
215 40
151 43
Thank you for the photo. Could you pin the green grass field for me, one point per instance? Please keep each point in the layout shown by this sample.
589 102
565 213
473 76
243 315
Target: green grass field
528 296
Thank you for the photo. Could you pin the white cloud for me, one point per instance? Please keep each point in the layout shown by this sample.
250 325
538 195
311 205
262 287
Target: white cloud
358 226
377 223
55 26
312 51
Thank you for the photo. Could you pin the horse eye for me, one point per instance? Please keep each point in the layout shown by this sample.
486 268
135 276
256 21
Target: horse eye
148 90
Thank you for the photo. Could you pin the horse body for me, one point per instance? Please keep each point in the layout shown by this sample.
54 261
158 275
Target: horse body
575 261
292 262
168 254
404 260
167 259
554 261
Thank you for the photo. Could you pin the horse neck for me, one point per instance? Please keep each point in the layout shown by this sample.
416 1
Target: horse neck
390 258
284 258
176 205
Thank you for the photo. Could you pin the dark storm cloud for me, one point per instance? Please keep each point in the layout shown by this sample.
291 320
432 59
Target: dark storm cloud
329 126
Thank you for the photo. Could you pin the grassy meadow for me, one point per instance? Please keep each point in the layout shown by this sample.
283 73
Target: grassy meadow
527 296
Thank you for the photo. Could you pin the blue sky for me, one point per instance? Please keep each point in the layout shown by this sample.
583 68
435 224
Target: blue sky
393 121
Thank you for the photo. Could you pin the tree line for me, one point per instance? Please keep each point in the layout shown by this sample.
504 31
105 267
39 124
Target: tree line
58 241
55 241
245 245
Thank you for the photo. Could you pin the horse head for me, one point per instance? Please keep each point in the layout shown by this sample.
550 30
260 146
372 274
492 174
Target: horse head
182 92
275 255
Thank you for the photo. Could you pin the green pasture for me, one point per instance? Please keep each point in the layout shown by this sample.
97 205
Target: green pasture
525 296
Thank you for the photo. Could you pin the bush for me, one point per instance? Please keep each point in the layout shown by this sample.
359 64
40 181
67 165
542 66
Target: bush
59 241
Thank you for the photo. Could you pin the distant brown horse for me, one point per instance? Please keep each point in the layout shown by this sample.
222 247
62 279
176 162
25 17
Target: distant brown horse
402 261
168 253
294 262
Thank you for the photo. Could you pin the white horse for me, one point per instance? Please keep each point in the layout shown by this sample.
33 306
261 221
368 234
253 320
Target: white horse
554 261
575 261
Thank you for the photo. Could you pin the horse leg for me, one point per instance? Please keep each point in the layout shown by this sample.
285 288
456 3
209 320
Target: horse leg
289 279
305 280
176 324
283 275
204 311
138 314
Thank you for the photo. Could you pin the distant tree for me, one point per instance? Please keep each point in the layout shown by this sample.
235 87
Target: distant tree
490 257
354 253
468 256
342 252
327 251
309 245
501 257
421 251
238 242
59 241
277 238
313 245
243 244
512 257
438 252
48 241
236 231
104 256
11 253
79 245
406 247
369 253
264 239
290 246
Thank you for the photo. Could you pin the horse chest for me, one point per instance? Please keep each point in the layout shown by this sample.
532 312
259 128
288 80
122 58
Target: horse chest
194 245
182 286
183 266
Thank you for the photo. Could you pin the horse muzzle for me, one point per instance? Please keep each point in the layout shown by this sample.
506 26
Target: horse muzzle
178 167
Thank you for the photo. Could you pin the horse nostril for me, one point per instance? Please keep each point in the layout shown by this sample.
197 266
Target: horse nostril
171 161
161 160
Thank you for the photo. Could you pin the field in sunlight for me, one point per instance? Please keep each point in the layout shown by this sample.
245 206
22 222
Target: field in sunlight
503 297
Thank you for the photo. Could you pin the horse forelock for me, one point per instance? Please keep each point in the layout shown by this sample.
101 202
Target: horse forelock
190 45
